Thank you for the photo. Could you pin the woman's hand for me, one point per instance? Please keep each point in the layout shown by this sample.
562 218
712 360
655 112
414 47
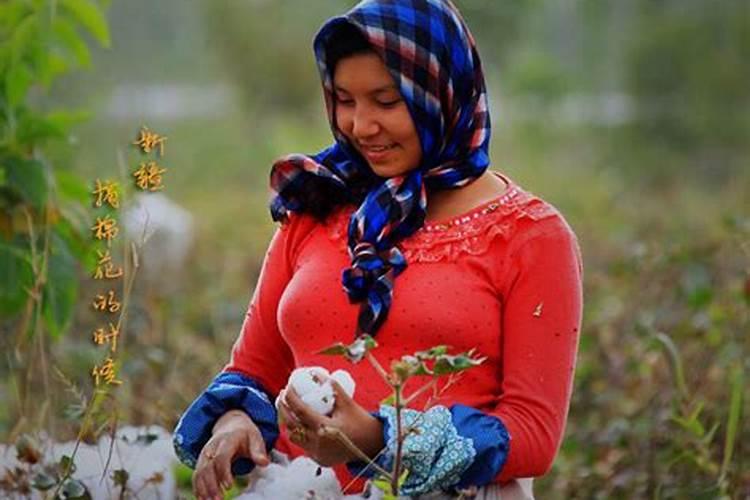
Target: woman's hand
348 417
234 436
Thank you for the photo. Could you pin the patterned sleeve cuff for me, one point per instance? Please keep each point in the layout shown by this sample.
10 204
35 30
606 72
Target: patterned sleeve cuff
228 391
436 456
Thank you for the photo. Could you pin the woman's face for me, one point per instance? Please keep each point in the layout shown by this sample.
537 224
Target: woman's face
371 113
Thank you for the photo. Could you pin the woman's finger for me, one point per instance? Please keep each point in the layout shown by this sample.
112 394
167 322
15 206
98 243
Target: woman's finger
306 415
207 482
222 465
342 398
198 487
257 448
287 416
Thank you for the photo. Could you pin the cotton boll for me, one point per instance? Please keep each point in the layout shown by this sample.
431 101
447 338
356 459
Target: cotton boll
320 399
292 480
345 381
307 379
313 385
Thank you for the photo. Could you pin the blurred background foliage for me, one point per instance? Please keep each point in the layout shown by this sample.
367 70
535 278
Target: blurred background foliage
632 117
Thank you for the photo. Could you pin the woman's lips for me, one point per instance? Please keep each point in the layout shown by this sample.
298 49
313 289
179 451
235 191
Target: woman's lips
377 154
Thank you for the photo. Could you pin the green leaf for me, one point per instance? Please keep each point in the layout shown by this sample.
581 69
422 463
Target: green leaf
336 349
16 277
89 16
120 477
673 354
72 187
384 485
390 400
67 35
73 489
80 247
33 128
55 66
18 80
43 481
11 13
423 369
66 465
60 289
354 352
64 120
733 418
452 364
402 478
26 178
22 38
74 412
432 353
691 425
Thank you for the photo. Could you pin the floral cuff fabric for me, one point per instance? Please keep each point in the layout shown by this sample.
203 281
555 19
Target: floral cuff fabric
454 448
228 391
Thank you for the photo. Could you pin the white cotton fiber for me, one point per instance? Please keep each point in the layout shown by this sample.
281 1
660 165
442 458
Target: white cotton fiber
345 381
292 480
146 453
313 385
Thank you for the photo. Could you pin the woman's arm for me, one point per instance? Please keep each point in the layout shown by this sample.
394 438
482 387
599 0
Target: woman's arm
542 308
542 312
260 360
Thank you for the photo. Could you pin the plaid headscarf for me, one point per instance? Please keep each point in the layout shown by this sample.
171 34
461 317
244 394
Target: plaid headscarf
433 59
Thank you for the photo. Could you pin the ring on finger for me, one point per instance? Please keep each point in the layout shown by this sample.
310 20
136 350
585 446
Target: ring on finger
299 434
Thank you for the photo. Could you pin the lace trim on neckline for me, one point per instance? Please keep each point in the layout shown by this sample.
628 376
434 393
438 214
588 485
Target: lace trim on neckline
471 233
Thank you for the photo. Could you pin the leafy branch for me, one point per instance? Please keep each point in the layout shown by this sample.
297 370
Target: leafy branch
435 362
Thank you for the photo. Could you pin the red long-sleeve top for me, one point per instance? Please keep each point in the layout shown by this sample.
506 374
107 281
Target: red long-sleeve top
504 278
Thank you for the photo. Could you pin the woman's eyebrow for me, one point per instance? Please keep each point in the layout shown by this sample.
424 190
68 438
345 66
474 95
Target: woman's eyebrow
374 91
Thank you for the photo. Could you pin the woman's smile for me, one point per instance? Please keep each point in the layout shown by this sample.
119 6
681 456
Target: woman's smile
373 115
377 153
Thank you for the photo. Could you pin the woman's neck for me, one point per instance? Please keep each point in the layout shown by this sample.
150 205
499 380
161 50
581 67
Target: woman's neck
448 203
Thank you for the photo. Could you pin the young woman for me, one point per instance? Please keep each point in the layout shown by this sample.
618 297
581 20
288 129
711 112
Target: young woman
435 248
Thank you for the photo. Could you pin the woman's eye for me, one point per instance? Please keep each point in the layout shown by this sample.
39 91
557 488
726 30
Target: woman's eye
390 103
345 102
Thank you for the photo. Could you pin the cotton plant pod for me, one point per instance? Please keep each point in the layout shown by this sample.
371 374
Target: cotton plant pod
313 385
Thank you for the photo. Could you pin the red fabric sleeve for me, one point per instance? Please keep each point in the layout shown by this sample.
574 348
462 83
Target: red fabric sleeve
260 352
542 310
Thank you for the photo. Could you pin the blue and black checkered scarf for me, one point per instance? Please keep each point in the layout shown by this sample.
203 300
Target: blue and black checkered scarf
432 57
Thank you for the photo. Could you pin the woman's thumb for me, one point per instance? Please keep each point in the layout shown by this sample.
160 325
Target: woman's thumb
258 451
342 398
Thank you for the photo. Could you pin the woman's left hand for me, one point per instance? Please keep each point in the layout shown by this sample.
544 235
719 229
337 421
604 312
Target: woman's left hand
348 417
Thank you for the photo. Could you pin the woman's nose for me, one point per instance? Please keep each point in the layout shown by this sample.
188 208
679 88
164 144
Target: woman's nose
365 123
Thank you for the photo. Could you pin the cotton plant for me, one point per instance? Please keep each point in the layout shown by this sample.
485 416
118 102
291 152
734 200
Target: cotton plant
304 478
434 362
137 463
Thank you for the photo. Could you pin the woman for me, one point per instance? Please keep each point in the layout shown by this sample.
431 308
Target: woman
436 249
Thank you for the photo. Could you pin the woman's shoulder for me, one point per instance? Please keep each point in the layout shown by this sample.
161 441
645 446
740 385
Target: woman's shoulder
514 214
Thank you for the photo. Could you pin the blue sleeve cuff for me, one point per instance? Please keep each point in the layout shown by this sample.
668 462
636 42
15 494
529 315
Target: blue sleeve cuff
490 440
361 468
454 449
228 391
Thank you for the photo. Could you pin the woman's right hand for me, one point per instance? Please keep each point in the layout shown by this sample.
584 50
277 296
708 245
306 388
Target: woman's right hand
234 436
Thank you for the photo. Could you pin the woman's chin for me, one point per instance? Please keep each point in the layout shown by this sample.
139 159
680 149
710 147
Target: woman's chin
388 170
